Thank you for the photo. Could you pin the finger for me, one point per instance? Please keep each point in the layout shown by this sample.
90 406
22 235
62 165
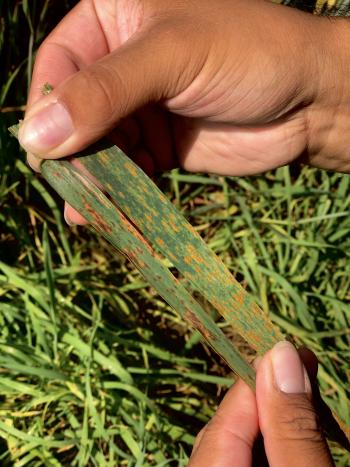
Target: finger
228 439
34 162
153 65
235 150
287 418
72 216
310 362
76 42
198 440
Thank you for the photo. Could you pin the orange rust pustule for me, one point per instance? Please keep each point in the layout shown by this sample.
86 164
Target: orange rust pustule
160 242
131 168
240 296
194 254
99 222
134 231
56 173
132 256
191 318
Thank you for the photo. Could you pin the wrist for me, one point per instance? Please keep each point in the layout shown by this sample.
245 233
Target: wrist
329 113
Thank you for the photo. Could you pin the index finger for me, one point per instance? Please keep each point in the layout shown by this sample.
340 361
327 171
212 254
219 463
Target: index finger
228 439
77 41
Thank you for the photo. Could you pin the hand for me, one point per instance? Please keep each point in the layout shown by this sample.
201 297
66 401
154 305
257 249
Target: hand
230 87
282 410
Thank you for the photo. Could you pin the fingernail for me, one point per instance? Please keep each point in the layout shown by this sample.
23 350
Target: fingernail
46 129
289 372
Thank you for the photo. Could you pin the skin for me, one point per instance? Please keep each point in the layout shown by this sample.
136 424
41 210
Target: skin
228 87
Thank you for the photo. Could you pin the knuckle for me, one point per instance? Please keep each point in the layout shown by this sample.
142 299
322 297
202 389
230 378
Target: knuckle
47 52
99 87
299 422
105 87
46 44
303 427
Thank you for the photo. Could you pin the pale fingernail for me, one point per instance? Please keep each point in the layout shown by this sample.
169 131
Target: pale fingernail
289 372
47 129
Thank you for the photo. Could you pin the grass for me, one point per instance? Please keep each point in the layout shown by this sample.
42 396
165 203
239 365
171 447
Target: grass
95 369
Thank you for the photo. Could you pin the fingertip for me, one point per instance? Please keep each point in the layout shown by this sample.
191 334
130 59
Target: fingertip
34 162
229 437
302 358
285 371
310 361
46 129
238 403
72 216
198 440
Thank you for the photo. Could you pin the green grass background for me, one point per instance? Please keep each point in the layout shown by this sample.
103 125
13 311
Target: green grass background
95 369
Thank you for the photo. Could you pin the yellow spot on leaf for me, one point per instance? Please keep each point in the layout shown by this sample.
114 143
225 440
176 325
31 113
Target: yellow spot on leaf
131 168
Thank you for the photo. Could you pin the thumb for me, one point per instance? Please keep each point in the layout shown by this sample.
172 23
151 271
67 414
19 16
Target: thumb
287 417
152 65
